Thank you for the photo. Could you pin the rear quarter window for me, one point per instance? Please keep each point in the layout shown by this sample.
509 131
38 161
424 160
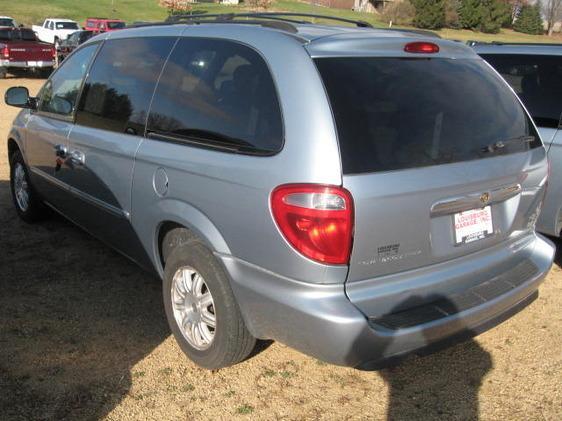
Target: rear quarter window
217 94
398 113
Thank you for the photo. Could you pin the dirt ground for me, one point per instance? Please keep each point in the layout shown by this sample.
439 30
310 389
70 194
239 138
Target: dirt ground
83 336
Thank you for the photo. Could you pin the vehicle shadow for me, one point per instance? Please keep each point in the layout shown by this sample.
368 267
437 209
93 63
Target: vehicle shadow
75 317
439 385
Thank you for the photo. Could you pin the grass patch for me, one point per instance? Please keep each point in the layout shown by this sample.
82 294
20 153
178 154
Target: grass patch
188 388
166 371
269 373
286 374
245 409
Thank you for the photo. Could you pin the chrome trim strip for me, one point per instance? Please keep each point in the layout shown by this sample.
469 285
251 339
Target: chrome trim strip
25 65
473 201
83 196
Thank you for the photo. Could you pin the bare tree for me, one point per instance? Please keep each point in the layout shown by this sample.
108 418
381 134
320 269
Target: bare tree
552 10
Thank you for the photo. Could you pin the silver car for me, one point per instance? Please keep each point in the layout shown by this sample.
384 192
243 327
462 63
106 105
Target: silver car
357 194
534 71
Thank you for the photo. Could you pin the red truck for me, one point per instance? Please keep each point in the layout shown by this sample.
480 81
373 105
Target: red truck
99 25
20 51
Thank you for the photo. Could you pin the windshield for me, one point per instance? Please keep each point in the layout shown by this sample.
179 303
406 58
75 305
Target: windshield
67 25
397 113
115 25
537 79
7 22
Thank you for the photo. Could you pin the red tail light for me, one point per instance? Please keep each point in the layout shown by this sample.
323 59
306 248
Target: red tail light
316 220
5 52
421 47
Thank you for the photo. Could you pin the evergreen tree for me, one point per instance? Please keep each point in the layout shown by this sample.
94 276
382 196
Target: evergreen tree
430 14
494 15
529 20
470 13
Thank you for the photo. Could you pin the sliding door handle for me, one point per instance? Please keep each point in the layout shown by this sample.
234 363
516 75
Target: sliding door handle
77 157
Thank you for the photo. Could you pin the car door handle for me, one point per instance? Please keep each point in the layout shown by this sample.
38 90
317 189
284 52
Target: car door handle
61 151
77 157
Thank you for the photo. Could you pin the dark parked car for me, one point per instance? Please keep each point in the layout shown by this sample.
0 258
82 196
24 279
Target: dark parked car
68 45
20 50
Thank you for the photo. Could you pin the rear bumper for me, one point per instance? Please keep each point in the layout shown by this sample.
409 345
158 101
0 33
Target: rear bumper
321 321
26 64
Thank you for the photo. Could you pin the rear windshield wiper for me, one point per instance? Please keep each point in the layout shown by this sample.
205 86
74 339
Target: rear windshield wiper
500 144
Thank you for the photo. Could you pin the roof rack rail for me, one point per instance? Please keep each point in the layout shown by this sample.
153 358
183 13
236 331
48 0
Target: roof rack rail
538 44
275 24
264 15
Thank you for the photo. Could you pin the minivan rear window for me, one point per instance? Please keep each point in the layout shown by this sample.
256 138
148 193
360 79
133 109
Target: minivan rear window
398 113
537 79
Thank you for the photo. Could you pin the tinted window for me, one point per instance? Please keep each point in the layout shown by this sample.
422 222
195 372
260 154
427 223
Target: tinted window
6 34
60 93
84 36
537 80
115 25
121 82
6 22
394 113
67 25
27 35
218 93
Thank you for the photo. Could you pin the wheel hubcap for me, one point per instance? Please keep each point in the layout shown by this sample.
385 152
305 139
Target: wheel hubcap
21 187
194 309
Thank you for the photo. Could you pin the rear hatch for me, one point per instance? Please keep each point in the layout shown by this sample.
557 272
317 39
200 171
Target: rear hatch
29 51
440 157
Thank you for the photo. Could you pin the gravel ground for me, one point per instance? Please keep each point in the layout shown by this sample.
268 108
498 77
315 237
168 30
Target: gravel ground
83 336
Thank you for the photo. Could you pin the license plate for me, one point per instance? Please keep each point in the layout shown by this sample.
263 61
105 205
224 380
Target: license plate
32 63
473 225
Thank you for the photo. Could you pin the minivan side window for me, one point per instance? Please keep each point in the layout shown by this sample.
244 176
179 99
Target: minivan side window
60 93
218 94
537 80
119 87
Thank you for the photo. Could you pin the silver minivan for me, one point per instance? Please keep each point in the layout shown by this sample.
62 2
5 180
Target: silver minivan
357 194
534 71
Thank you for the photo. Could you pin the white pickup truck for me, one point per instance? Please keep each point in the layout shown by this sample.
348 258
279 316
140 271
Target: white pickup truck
55 30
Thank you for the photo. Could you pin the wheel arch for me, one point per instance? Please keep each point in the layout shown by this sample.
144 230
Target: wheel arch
176 214
13 147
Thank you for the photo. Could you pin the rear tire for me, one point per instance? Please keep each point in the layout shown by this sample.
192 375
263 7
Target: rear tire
3 73
200 305
28 205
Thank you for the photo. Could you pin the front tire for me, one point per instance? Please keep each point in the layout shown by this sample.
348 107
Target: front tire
28 205
200 305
